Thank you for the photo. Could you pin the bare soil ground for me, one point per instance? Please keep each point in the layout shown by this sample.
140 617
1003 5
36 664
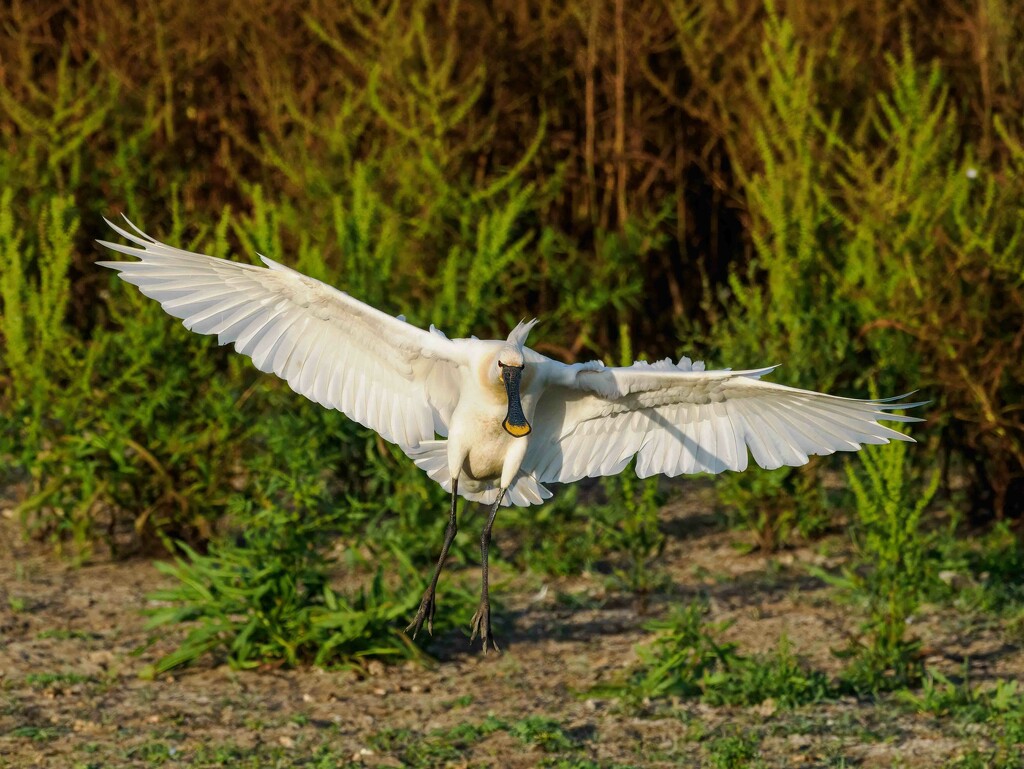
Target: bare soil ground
70 694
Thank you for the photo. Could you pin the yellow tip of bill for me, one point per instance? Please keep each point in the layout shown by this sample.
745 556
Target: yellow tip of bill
517 431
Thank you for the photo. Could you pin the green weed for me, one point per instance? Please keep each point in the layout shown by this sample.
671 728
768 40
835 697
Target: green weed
984 574
254 604
779 677
630 535
153 753
463 701
546 734
999 704
265 594
36 733
688 659
49 680
437 748
894 568
16 603
682 655
734 752
776 505
262 756
987 759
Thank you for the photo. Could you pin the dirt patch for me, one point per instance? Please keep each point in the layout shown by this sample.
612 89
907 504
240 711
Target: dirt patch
72 642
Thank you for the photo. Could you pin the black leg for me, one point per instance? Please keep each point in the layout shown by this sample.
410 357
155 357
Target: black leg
429 603
482 619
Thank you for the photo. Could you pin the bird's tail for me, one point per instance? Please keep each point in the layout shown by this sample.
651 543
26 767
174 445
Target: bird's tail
432 458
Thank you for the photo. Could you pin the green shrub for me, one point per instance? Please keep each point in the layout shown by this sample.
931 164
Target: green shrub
262 592
882 247
893 569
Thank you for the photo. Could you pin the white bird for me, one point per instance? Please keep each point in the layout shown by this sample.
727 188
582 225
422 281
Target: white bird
510 419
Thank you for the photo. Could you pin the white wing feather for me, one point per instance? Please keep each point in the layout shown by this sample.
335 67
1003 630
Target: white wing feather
380 371
678 418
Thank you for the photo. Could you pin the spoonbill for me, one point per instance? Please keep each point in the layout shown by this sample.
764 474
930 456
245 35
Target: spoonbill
510 419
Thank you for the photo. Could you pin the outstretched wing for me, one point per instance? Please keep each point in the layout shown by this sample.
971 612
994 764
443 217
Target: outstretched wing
679 418
384 373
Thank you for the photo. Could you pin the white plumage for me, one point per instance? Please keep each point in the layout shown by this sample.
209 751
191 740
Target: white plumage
335 350
513 419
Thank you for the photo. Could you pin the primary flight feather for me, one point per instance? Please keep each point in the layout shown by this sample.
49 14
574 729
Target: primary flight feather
510 419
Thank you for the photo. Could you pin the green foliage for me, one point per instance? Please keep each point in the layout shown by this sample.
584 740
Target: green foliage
1002 701
615 533
561 537
629 533
682 656
776 505
266 597
1001 758
269 600
893 570
34 306
875 237
576 762
828 191
546 734
779 677
436 748
441 746
984 575
688 659
999 705
793 226
51 680
734 751
36 733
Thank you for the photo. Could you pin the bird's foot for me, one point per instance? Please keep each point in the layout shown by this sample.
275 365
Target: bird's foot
425 613
481 625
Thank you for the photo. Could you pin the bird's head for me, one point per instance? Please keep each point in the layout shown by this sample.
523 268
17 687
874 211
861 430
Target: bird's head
510 356
510 370
510 365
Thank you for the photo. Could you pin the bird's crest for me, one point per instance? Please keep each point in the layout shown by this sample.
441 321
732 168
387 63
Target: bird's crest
518 335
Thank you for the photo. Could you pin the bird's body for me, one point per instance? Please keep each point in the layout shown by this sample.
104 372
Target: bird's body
479 448
494 421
